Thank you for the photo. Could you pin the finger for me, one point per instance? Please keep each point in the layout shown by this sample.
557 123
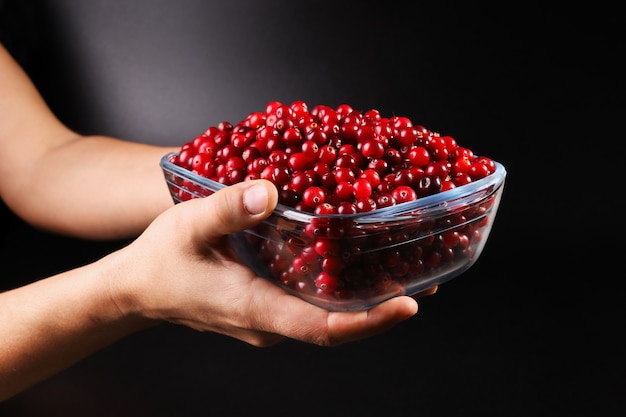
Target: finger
348 327
297 319
430 291
234 208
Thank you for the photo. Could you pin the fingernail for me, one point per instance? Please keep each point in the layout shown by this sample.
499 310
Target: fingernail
255 199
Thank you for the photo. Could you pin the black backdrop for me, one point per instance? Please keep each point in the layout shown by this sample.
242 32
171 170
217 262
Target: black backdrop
533 328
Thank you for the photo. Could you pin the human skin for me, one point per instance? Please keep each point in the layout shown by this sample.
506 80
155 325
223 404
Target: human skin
92 187
178 268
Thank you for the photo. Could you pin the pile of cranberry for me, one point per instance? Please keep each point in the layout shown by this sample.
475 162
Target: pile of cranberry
337 160
333 160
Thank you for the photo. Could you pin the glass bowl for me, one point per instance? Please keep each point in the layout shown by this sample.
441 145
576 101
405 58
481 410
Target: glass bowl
353 262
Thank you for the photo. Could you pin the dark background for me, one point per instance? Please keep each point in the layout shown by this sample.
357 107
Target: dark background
533 328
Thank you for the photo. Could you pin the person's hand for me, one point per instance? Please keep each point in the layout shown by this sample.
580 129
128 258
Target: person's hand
181 270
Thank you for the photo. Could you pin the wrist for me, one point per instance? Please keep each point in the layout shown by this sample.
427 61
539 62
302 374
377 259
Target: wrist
123 288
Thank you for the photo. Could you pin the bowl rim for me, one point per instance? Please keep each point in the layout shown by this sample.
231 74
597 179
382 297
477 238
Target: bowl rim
446 200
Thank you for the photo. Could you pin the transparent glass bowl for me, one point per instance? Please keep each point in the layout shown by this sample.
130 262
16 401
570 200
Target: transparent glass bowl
353 262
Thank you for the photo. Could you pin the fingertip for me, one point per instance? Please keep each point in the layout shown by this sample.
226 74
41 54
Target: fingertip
260 198
406 306
395 310
256 199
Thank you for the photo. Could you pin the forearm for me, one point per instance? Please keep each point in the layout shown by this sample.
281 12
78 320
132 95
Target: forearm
97 188
92 187
51 324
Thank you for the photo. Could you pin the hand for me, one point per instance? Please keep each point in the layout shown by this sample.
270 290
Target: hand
181 270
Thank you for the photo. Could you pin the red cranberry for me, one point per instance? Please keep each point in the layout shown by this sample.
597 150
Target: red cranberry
329 161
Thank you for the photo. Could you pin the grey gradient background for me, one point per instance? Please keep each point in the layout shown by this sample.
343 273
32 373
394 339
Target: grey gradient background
533 328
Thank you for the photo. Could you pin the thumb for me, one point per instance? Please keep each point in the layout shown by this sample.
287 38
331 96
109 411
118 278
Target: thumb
239 206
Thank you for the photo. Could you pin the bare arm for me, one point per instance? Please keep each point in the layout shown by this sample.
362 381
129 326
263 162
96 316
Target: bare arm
86 186
178 270
53 323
